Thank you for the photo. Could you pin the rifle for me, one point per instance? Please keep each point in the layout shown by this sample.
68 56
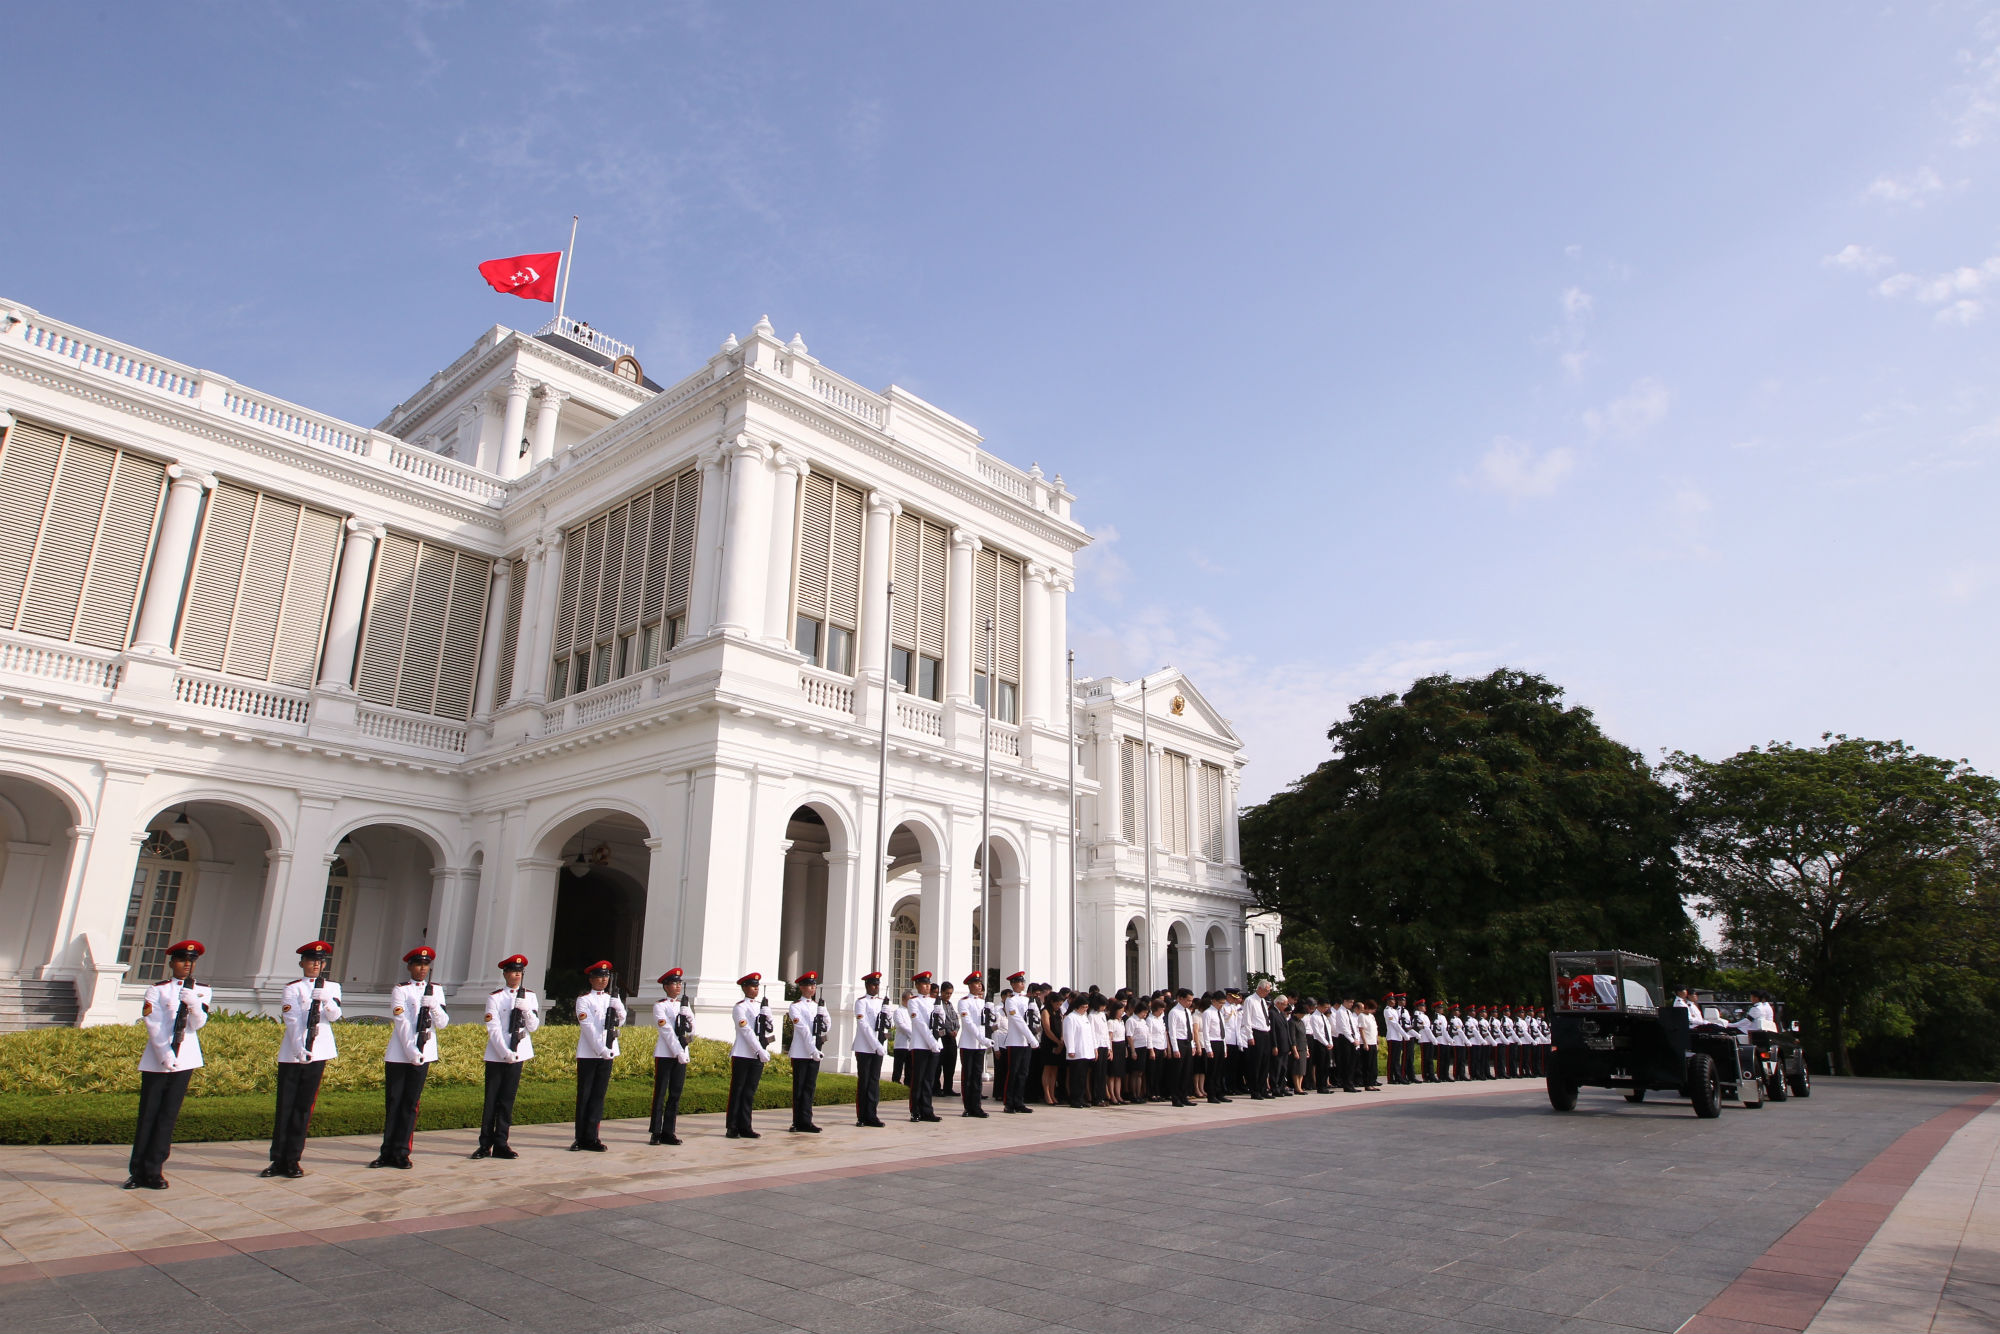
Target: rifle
763 1029
312 1013
423 1027
181 1015
820 1026
611 1026
517 1020
1034 1017
883 1024
989 1019
683 1024
937 1020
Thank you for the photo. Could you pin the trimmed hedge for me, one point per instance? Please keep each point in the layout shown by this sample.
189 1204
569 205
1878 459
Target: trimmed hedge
108 1118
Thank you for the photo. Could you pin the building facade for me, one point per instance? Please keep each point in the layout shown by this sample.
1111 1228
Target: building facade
553 659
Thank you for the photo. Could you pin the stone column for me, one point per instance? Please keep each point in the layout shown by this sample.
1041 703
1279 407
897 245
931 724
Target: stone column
471 419
515 423
787 471
294 893
545 619
1035 648
524 641
350 593
874 627
959 652
702 597
847 950
1232 850
746 539
792 928
544 447
1060 586
489 649
171 554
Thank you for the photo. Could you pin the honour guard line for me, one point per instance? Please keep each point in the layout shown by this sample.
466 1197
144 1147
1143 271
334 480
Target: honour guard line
1090 1050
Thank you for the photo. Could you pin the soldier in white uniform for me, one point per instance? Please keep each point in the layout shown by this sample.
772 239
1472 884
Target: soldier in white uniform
868 1049
1392 1025
416 1013
926 1033
673 1020
513 1013
1455 1046
311 1006
600 1013
174 1012
1021 1042
747 1056
809 1029
1426 1037
977 1027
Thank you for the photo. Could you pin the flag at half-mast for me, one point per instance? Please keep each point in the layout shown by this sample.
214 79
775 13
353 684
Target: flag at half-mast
531 277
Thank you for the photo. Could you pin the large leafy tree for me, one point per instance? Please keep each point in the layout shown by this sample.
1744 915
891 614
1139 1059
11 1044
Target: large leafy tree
1849 870
1463 829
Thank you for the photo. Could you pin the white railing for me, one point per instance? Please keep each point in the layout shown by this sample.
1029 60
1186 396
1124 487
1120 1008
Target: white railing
1007 477
605 701
66 663
111 358
281 416
445 472
827 691
405 729
848 400
578 332
274 703
920 716
1006 740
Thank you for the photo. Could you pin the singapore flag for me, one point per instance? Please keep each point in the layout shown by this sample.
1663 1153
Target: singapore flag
532 277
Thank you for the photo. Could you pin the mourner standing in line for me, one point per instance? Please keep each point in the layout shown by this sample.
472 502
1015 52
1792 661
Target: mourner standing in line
974 1041
868 1048
416 1013
1081 1044
809 1030
513 1013
312 1005
673 1020
1264 1052
747 1055
926 1033
599 1016
174 1011
1021 1042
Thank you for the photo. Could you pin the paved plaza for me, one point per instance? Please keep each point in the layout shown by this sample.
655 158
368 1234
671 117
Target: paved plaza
1872 1205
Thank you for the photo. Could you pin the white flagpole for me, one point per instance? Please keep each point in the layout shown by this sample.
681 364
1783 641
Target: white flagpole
562 291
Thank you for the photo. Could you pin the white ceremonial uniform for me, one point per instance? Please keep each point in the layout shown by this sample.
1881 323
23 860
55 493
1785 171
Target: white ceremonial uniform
1235 1028
405 1000
921 1037
1420 1027
972 1024
500 1007
598 1018
298 1009
1392 1020
668 1045
802 1013
1018 1033
744 1014
866 1007
163 1002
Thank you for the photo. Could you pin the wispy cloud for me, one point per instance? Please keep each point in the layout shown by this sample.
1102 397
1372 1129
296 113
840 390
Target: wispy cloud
1960 294
1859 259
1633 413
1912 191
1513 468
1100 570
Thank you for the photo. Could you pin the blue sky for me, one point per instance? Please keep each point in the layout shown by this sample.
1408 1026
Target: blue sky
1645 346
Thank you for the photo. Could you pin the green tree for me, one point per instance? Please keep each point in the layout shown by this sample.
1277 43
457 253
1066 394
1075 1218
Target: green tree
1462 830
1849 869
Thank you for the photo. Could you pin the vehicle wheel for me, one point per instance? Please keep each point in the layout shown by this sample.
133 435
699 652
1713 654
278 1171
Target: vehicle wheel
1562 1096
1636 1095
1802 1086
1774 1088
1705 1086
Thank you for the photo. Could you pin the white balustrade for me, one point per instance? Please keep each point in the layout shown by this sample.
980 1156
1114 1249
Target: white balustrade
446 472
914 714
827 691
1005 476
272 703
855 403
406 729
64 663
578 332
1006 741
111 358
281 416
605 701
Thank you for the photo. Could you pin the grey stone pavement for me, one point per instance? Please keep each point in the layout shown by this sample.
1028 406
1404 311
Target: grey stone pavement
1484 1213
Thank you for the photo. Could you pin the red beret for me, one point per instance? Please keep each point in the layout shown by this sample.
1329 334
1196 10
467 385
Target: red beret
514 961
924 976
972 977
317 949
185 949
808 979
871 977
749 979
671 975
421 954
602 968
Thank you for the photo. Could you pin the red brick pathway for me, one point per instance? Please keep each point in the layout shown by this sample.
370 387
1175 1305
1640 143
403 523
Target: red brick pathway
1784 1288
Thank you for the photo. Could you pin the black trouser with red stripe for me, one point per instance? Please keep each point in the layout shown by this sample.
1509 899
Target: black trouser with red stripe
298 1090
160 1095
593 1079
402 1090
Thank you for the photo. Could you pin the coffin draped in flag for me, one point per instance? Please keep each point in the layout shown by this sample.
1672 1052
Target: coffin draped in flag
531 277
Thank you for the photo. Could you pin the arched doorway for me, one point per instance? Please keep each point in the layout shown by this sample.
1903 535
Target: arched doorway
802 917
912 890
202 870
600 909
904 934
1003 939
1215 960
1132 947
377 905
1177 944
35 851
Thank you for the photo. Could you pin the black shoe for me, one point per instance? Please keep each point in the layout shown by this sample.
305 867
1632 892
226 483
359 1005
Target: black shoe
595 1146
502 1151
381 1162
157 1183
291 1171
132 1183
671 1141
877 1124
934 1117
732 1134
749 1134
480 1153
401 1164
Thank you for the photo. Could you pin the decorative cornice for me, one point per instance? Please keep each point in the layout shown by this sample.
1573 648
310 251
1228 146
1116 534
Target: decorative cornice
470 368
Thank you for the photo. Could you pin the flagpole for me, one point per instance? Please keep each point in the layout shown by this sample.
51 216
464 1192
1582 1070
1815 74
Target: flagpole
562 293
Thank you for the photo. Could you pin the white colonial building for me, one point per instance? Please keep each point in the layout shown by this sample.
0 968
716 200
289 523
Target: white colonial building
556 660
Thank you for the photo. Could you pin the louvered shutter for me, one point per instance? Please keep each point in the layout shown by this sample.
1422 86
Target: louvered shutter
510 635
906 569
1007 618
1174 806
1128 790
308 592
982 604
117 567
632 573
465 626
217 576
255 632
590 579
572 581
610 574
258 588
430 602
27 476
815 544
843 594
388 618
69 533
935 578
680 571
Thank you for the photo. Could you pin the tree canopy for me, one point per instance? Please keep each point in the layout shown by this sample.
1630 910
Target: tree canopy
1461 830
